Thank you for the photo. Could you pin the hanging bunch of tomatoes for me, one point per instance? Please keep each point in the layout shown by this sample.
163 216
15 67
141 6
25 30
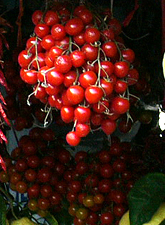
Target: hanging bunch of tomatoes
77 64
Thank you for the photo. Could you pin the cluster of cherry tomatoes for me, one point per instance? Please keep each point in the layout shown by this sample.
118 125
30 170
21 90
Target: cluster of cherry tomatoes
95 185
77 64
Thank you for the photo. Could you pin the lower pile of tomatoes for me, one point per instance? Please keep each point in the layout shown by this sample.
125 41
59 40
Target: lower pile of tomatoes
94 185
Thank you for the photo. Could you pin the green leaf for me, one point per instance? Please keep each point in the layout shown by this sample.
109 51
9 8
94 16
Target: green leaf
2 211
145 197
51 219
163 222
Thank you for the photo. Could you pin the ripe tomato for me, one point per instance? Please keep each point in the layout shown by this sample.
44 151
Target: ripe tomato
106 170
64 156
105 185
61 187
33 44
4 177
93 94
33 161
82 129
86 16
91 180
54 77
74 26
115 25
108 126
46 190
37 16
110 49
82 114
30 175
75 186
120 86
91 35
47 42
72 138
14 177
58 32
29 148
43 203
107 86
119 210
117 196
120 105
132 76
75 94
87 78
125 126
104 156
82 167
79 39
67 114
121 69
55 198
21 165
92 218
91 52
44 175
41 30
33 191
70 78
24 58
101 106
51 18
79 156
119 165
63 63
128 55
106 218
77 58
116 149
21 187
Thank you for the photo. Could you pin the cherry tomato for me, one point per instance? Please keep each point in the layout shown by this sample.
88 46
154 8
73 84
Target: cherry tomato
87 78
75 94
121 69
86 16
132 76
110 49
105 185
128 54
24 59
75 186
82 213
88 201
58 32
54 77
93 94
41 30
51 18
55 198
15 177
82 114
99 198
120 86
21 187
74 26
63 63
72 138
108 126
82 167
33 44
46 190
91 52
82 129
43 203
119 165
106 170
120 105
47 42
91 35
106 218
44 175
67 114
78 58
32 205
30 175
37 16
80 156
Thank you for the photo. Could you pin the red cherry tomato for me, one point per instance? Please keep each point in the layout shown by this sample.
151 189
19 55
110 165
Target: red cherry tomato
93 94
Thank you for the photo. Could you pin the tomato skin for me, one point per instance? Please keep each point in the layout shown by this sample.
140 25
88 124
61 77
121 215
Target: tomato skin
86 16
88 201
82 130
37 16
67 114
43 203
78 58
82 114
54 77
93 94
74 26
58 32
128 54
110 49
120 105
41 30
33 44
63 63
87 78
47 42
91 52
108 126
24 59
79 39
51 18
121 69
91 35
106 218
72 138
75 94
